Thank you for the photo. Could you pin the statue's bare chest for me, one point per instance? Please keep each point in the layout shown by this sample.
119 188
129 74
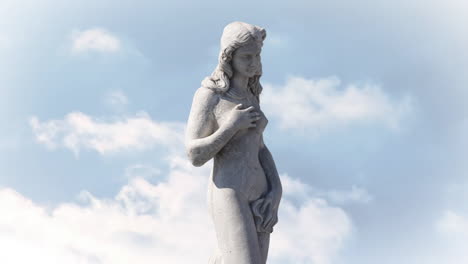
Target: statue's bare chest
226 104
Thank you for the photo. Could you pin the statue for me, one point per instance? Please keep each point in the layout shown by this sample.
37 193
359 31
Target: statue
226 124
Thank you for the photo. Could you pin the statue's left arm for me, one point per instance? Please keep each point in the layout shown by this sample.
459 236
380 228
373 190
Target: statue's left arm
273 197
269 167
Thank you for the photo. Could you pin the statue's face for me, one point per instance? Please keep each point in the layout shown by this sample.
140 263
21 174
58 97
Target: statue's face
246 60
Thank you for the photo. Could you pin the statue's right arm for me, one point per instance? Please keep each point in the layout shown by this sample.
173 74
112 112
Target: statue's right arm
203 138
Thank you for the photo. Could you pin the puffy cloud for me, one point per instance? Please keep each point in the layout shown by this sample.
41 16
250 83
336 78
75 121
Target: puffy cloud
79 131
95 39
299 189
294 187
356 194
453 223
162 222
154 218
117 98
452 227
142 170
324 103
312 232
143 223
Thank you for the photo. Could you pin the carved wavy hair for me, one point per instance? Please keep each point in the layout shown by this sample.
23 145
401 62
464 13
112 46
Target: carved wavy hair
235 35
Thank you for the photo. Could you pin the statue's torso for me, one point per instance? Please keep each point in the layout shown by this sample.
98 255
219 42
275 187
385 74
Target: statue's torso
237 164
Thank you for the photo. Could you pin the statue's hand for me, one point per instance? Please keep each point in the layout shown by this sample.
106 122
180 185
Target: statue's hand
265 212
270 211
243 118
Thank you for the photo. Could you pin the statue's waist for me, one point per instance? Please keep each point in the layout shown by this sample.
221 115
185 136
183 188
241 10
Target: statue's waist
247 178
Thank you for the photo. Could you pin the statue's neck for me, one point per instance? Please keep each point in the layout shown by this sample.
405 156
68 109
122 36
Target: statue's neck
238 86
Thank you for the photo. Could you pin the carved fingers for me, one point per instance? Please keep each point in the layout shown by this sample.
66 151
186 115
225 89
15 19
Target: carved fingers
270 220
248 109
265 214
270 214
254 117
244 118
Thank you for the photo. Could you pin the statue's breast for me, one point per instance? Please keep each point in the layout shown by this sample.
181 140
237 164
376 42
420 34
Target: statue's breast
261 123
226 104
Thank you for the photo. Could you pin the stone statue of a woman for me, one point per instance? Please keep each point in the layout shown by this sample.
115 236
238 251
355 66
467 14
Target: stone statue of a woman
226 124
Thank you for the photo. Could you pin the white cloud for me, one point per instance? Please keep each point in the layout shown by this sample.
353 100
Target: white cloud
142 170
294 187
309 230
146 222
325 103
79 131
313 232
95 39
156 223
452 227
453 223
298 189
143 223
117 98
356 194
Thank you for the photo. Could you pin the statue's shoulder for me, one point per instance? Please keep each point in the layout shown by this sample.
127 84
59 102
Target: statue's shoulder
206 96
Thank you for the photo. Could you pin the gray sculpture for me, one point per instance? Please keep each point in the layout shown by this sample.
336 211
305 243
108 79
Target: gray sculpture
226 124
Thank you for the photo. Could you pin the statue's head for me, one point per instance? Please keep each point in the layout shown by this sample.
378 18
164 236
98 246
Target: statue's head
239 42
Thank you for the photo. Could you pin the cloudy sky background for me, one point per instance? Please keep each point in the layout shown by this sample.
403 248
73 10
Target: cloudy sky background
370 138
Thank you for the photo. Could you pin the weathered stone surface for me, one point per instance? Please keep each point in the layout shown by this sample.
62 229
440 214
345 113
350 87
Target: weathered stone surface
226 123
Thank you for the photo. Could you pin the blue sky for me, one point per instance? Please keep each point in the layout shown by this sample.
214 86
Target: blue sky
370 142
